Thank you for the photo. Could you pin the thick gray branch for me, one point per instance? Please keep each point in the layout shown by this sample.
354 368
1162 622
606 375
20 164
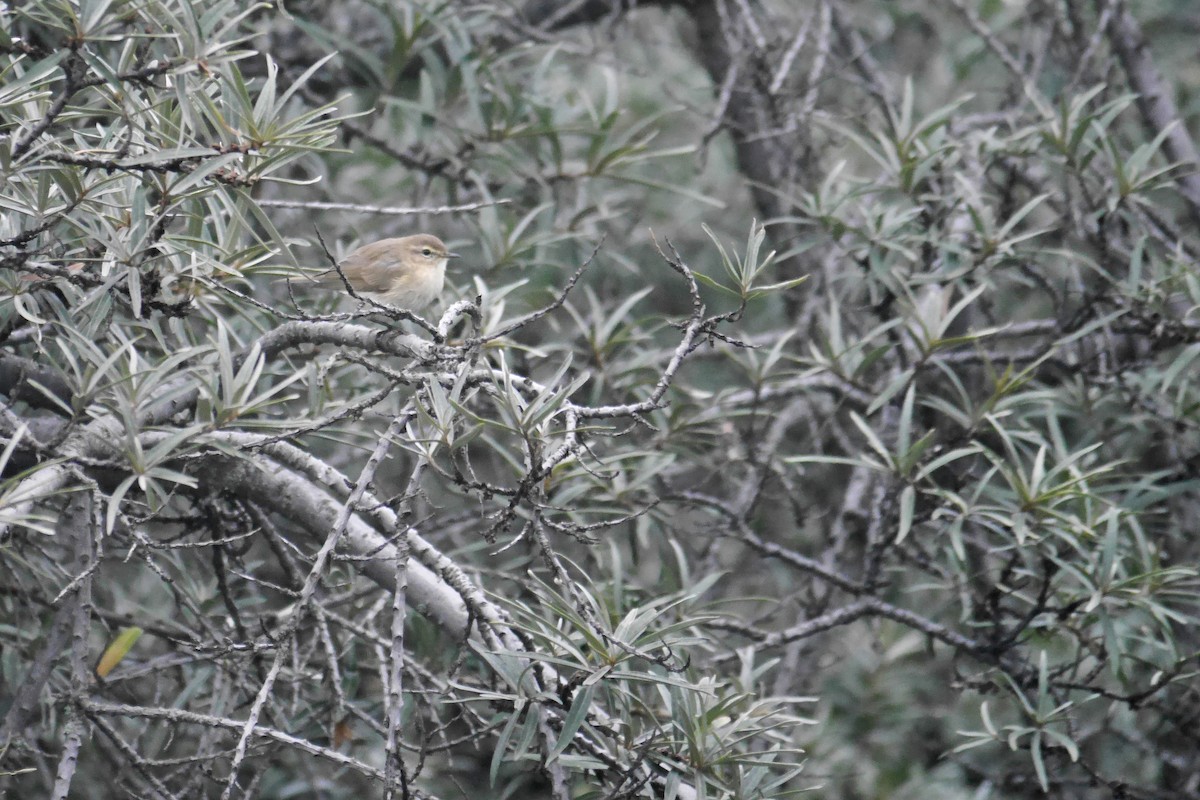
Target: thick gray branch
1156 102
295 498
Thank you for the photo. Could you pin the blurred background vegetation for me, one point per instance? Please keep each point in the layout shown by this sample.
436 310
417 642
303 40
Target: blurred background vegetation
860 459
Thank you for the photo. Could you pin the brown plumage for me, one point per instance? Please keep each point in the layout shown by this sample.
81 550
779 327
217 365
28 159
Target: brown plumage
407 272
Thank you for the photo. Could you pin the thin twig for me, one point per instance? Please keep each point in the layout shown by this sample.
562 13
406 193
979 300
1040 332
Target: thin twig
315 205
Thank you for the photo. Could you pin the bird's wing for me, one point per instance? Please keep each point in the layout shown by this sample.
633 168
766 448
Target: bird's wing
368 268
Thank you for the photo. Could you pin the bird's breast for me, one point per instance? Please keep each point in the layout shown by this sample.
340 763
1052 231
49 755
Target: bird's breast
415 290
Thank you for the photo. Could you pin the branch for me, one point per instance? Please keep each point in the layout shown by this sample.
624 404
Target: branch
177 715
75 525
1156 103
293 497
312 205
40 386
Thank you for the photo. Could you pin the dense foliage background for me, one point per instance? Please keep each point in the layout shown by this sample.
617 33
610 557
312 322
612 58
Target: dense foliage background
816 410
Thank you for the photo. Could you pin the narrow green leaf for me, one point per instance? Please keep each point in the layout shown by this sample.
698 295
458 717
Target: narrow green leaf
117 650
908 498
580 705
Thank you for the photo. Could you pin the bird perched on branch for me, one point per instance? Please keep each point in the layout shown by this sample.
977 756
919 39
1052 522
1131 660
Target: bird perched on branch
407 272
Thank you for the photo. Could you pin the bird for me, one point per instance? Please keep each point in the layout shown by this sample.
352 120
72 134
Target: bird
407 272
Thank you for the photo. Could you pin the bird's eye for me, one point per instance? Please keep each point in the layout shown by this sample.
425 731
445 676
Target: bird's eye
426 252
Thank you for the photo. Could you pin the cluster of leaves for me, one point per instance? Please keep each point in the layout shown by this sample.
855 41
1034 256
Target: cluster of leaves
928 466
186 489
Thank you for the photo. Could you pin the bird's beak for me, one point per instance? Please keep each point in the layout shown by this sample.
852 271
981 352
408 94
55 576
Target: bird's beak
453 255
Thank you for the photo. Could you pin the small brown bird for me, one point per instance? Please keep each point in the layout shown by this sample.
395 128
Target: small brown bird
407 272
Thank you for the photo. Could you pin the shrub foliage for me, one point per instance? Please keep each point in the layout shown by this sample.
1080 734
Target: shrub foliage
817 411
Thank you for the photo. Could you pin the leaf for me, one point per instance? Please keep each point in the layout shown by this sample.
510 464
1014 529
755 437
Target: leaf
946 458
581 703
1039 764
904 425
500 747
908 498
117 650
890 391
114 503
872 438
